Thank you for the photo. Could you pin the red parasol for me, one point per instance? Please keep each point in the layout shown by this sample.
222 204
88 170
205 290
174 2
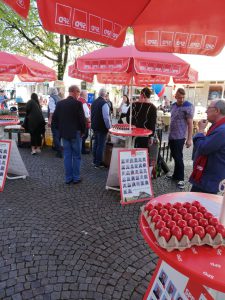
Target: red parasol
122 65
187 26
25 68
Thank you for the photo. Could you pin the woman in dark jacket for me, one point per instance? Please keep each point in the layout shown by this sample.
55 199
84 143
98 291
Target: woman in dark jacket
143 116
34 123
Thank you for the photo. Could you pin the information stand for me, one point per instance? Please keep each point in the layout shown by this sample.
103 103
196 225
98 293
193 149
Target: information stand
134 176
16 164
5 148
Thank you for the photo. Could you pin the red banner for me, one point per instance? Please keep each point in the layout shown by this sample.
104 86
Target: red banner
20 6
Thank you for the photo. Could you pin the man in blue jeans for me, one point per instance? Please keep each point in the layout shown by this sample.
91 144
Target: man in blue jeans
181 127
70 120
100 123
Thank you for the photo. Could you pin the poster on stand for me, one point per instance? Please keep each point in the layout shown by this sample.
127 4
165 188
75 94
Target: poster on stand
5 147
167 284
134 176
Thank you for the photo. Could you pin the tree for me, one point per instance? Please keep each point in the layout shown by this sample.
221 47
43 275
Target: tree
29 38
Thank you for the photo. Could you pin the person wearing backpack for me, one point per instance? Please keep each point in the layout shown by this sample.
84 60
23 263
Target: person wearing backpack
53 100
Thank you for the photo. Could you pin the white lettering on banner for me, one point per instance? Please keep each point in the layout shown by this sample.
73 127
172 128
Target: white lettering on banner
188 294
80 25
21 3
180 39
94 24
179 258
215 265
219 252
208 275
63 15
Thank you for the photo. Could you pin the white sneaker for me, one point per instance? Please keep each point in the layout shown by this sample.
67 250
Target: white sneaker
33 152
38 150
181 184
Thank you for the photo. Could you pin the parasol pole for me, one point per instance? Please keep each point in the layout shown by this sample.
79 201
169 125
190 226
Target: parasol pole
131 101
222 209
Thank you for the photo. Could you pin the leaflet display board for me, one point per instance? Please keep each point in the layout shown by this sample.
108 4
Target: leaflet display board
167 283
5 147
134 176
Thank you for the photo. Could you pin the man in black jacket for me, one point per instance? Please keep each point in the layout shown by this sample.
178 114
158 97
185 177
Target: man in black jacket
100 123
70 120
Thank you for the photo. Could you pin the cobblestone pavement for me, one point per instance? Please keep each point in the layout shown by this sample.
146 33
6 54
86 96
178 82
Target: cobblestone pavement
71 242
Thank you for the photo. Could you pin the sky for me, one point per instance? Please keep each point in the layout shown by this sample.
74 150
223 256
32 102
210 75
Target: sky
210 68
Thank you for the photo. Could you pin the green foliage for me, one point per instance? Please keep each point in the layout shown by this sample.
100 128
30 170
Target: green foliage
29 38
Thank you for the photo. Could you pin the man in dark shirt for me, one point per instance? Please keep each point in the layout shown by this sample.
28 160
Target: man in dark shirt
70 120
100 123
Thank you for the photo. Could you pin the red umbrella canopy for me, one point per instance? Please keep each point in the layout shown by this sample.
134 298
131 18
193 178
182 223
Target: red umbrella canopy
25 68
119 65
187 26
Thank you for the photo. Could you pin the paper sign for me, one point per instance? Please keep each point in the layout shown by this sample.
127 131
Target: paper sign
167 283
5 147
134 176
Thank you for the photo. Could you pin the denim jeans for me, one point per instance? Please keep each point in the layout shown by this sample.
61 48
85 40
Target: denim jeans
176 148
98 148
72 158
56 139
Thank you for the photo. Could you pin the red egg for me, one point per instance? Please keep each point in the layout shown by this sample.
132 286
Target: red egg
153 212
163 211
160 224
208 215
166 217
202 209
200 231
156 218
193 209
187 205
213 221
196 203
177 232
188 232
149 206
203 222
172 211
193 223
171 223
165 232
177 217
181 223
220 229
198 215
168 206
158 206
210 229
177 205
182 211
188 217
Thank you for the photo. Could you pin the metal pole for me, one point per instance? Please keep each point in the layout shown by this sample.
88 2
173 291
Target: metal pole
131 101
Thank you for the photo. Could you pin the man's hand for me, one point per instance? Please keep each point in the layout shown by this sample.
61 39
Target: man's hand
202 125
188 143
49 123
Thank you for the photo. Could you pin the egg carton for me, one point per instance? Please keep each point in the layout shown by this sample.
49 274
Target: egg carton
184 242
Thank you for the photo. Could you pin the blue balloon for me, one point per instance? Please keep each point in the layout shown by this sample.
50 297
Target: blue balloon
157 88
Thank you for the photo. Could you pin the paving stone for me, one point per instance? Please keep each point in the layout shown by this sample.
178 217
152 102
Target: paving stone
67 242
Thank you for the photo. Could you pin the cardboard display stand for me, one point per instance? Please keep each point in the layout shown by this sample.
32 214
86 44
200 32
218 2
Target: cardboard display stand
5 147
16 164
134 176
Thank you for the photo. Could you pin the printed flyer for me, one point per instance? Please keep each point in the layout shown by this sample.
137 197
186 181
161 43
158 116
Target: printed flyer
5 147
134 176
